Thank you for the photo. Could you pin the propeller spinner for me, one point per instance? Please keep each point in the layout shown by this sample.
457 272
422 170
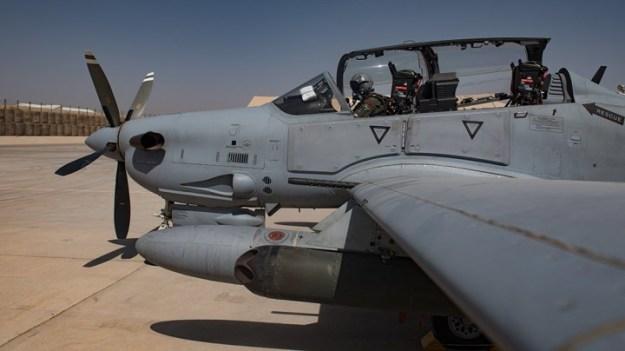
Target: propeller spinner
105 140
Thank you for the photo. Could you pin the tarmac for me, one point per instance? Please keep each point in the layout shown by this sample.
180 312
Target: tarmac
49 300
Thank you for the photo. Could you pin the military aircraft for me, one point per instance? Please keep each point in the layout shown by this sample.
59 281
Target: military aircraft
490 191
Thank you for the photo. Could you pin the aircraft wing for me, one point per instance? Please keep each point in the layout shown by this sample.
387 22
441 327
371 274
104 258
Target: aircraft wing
538 264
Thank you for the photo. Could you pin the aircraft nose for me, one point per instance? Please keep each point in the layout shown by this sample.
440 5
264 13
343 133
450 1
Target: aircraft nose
101 137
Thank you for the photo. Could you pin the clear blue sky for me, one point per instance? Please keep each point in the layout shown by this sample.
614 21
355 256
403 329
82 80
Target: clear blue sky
210 55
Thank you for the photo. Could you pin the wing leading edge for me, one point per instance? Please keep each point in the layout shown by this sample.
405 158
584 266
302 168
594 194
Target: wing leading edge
538 264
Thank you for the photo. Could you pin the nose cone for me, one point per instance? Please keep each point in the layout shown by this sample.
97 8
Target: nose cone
101 137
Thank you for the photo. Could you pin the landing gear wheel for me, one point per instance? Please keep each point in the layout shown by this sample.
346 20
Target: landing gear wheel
459 333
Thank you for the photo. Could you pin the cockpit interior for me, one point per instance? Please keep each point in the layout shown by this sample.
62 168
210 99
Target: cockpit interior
438 76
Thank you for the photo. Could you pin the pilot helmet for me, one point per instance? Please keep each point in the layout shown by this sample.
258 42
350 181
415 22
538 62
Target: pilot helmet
361 84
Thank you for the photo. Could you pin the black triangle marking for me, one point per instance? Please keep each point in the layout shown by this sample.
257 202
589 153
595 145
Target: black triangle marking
379 132
472 127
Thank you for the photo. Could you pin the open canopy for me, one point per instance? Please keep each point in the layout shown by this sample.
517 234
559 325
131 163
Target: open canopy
478 60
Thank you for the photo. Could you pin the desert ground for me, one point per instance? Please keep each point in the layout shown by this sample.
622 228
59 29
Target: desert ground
66 285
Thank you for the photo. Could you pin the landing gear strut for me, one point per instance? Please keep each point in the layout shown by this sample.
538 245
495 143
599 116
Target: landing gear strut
165 216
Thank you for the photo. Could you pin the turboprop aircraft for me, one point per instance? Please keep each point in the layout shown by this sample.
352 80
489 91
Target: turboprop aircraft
489 192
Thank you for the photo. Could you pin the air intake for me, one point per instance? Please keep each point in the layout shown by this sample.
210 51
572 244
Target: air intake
148 141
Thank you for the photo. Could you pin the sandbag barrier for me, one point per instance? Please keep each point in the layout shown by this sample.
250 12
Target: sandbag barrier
47 120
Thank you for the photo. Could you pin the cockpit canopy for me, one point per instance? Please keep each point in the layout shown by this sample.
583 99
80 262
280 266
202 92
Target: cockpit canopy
469 67
430 76
465 57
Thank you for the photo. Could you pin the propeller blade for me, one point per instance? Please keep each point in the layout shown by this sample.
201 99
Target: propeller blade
138 105
103 89
122 202
80 163
599 74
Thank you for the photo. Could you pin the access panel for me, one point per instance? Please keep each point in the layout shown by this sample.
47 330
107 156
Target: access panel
329 147
476 135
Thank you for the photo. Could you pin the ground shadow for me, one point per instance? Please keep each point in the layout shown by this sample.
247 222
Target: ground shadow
126 251
337 329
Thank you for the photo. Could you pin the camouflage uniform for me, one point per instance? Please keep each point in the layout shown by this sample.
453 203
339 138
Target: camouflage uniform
372 105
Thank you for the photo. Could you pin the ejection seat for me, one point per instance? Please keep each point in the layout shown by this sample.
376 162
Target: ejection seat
529 82
404 89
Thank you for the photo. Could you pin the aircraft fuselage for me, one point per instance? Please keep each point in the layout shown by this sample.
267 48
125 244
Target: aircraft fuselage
205 153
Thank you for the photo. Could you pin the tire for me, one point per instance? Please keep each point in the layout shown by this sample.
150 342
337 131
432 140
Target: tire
459 333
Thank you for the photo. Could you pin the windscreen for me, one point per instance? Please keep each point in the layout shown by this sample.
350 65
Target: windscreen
481 68
318 95
376 67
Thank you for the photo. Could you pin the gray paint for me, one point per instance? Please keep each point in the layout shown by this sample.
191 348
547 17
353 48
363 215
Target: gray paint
313 147
504 220
549 141
445 134
536 263
210 250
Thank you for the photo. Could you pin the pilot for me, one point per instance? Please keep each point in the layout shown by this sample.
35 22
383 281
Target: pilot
366 102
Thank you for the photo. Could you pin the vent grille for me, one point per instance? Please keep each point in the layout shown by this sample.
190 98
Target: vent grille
238 157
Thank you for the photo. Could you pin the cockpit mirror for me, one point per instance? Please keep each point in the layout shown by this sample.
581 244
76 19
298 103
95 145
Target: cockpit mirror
308 93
